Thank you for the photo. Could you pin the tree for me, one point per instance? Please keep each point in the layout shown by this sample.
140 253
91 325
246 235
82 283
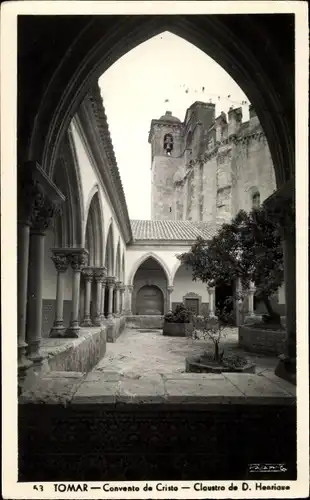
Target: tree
249 248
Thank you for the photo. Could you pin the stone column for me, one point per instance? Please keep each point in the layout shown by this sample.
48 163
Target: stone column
78 260
211 291
129 308
169 292
104 282
281 210
122 291
118 285
88 274
22 280
99 274
46 205
110 285
61 263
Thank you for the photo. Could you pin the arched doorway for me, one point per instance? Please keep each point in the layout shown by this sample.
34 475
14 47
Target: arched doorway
149 289
149 301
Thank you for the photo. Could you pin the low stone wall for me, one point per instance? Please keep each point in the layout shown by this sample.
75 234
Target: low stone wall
258 340
76 355
178 329
151 322
115 328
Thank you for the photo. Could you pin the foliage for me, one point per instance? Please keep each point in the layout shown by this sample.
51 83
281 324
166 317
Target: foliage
248 249
213 329
180 315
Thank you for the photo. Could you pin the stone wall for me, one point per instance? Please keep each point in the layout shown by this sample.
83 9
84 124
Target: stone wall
261 341
152 322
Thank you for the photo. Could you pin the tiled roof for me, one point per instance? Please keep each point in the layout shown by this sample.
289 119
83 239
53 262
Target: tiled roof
171 230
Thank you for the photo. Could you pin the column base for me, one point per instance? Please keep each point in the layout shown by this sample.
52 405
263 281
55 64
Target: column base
286 368
97 321
72 332
57 331
33 353
86 322
22 367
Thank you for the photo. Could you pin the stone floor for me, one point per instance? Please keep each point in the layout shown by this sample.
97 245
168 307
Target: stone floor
141 352
143 366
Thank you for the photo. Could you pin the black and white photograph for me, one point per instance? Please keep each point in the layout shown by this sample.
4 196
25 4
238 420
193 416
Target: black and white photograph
154 201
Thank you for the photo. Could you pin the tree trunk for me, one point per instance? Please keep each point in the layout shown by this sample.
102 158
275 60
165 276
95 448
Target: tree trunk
216 352
273 315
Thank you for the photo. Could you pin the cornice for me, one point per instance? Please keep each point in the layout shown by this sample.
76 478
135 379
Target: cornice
93 121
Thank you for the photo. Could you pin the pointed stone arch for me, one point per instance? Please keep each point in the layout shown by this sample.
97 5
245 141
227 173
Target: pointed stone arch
67 177
118 262
123 267
109 251
93 237
145 257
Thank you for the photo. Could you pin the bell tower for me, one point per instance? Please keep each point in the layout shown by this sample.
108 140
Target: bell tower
165 137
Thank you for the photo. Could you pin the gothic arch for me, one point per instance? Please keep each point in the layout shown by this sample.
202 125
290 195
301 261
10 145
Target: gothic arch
118 262
109 251
93 237
123 267
93 49
142 259
175 268
66 177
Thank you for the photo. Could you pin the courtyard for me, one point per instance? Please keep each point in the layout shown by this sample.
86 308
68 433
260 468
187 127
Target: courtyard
143 366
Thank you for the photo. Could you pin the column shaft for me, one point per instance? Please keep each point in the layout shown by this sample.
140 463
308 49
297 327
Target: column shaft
34 309
23 256
88 283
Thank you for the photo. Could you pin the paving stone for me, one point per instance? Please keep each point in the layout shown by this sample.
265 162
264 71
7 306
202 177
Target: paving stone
256 385
52 389
206 390
284 384
194 376
144 390
96 392
102 376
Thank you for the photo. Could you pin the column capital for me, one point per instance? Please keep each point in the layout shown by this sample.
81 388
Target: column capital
60 260
170 289
118 285
88 273
211 289
110 280
122 288
100 274
39 199
78 259
130 288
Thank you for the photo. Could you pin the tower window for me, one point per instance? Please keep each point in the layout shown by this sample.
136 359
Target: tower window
256 200
168 144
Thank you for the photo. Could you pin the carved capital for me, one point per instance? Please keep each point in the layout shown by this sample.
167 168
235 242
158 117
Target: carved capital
88 274
43 212
130 288
122 288
100 274
61 261
118 285
78 260
170 289
39 199
110 280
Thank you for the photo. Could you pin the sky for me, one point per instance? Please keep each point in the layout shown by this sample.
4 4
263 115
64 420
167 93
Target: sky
134 91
